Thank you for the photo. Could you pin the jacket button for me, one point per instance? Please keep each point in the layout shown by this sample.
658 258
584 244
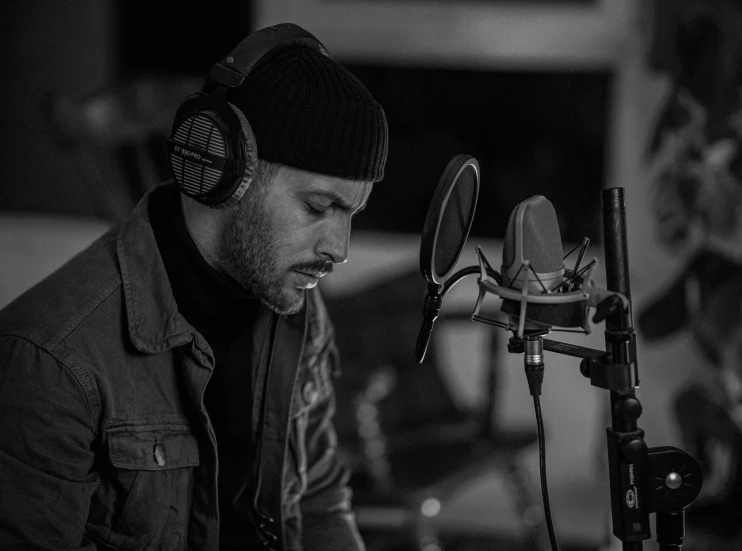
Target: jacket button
159 454
309 392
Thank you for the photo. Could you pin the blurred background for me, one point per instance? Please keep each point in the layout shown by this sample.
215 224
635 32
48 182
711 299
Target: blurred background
554 97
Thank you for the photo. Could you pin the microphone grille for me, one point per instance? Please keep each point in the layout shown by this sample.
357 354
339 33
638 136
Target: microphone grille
200 131
541 241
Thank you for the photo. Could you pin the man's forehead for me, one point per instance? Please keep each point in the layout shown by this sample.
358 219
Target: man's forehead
347 193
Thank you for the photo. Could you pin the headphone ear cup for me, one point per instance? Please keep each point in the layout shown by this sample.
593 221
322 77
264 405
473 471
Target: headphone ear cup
213 155
250 152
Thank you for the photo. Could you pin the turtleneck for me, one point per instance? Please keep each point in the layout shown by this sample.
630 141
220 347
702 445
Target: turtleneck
225 314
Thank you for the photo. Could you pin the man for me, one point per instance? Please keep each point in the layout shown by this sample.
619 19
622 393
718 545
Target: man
170 387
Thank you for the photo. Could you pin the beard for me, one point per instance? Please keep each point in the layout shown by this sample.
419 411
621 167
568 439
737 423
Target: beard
248 253
250 250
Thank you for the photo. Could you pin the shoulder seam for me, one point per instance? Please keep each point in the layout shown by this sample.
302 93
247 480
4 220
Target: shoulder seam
82 313
91 400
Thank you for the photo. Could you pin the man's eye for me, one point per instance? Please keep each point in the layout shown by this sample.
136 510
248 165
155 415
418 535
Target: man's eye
314 211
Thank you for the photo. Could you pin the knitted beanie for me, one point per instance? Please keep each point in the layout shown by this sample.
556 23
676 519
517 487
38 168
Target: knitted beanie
308 112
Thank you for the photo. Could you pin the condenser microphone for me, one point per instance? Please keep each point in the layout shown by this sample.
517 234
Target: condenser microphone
532 257
532 253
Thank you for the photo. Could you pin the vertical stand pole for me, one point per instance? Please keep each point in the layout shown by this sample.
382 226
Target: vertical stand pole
627 452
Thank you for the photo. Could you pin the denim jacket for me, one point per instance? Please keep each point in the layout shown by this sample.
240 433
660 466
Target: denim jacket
104 439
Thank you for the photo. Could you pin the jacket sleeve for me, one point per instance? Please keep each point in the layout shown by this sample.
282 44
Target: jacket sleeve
328 521
46 456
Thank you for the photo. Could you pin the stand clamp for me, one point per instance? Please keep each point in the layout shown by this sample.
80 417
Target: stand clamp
662 480
676 480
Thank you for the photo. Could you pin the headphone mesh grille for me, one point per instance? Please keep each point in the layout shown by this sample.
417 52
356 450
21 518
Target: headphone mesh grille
201 132
192 178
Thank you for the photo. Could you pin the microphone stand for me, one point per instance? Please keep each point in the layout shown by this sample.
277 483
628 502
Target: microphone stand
662 480
627 452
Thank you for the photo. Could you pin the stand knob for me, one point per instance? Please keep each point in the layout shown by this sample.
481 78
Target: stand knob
634 449
628 408
673 480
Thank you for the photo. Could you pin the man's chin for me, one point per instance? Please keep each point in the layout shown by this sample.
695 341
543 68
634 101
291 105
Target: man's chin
288 303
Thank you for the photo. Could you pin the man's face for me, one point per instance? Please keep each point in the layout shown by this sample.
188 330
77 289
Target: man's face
287 233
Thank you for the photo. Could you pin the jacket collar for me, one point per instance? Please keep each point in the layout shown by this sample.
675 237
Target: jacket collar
153 319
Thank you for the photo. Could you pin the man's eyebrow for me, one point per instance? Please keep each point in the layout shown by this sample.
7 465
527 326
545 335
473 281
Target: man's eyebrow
340 201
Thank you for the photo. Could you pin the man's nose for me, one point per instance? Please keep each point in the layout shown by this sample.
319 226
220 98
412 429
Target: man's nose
336 242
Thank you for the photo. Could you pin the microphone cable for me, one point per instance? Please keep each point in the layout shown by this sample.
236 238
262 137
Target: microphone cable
542 469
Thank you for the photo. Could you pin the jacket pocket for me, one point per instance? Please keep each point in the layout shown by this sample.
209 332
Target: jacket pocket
152 449
144 497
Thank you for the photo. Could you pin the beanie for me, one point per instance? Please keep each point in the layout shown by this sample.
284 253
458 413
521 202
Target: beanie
309 112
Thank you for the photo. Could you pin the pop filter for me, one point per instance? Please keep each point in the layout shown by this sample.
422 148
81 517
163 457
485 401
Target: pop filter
447 225
449 219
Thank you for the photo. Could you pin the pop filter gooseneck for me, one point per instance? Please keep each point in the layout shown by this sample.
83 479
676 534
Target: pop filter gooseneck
447 224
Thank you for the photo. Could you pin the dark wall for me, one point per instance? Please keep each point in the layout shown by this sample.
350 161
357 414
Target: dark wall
76 49
179 37
531 132
46 48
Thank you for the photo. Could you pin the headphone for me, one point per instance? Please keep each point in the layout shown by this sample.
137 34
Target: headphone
212 151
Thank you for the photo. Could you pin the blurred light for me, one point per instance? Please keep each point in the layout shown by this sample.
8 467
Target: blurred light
375 449
369 430
429 542
366 411
430 507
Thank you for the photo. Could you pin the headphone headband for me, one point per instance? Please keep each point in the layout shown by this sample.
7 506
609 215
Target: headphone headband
232 69
212 149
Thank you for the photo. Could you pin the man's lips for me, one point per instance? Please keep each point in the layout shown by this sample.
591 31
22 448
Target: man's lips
309 280
314 274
